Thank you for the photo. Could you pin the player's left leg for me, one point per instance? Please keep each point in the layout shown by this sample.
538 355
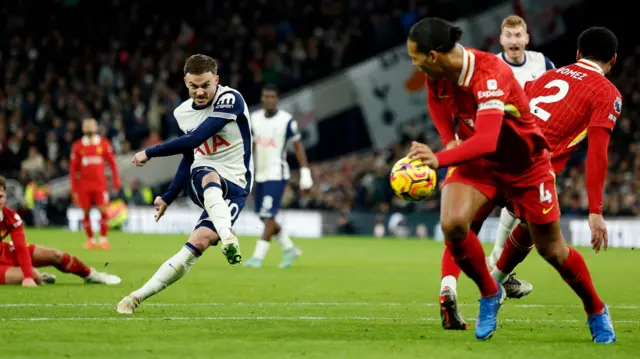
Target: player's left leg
66 263
171 270
506 225
571 265
101 200
211 188
536 201
268 196
84 202
12 275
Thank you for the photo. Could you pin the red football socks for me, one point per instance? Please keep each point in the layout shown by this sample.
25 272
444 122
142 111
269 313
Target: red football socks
73 265
449 266
104 225
516 249
86 223
469 256
574 271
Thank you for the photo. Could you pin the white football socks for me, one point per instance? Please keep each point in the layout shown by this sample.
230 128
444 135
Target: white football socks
169 272
218 211
449 281
262 247
506 225
283 238
498 275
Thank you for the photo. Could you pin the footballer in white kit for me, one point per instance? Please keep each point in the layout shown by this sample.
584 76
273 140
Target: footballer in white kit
526 66
274 131
216 167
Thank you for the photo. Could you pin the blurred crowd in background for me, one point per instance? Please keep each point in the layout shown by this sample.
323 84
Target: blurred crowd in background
122 64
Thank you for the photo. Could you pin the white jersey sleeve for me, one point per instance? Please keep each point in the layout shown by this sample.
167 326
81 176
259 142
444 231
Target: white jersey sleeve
272 137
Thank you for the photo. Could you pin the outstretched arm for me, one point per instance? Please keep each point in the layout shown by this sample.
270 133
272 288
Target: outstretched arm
190 141
180 179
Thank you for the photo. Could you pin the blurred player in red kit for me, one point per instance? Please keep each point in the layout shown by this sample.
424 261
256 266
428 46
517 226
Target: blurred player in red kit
89 181
18 259
504 158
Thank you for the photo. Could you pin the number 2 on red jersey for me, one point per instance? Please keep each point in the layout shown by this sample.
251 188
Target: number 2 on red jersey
563 89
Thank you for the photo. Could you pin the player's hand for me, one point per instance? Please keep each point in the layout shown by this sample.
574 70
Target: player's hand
161 207
306 181
140 159
599 236
75 198
453 144
29 282
423 153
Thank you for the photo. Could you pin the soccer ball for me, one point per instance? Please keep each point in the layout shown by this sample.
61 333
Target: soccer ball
411 180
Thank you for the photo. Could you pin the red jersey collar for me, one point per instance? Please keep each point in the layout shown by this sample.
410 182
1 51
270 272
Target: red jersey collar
590 65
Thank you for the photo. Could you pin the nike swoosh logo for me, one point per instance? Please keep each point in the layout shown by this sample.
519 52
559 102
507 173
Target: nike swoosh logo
547 210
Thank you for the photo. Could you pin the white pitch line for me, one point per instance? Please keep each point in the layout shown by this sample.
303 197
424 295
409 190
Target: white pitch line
293 304
278 318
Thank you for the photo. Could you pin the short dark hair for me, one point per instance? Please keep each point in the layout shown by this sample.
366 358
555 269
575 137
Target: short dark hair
3 183
199 64
433 33
271 87
598 43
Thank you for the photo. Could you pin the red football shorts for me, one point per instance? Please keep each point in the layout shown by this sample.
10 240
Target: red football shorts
478 177
9 259
532 194
89 198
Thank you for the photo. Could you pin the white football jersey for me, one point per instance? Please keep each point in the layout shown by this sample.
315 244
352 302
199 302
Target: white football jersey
229 150
534 65
272 136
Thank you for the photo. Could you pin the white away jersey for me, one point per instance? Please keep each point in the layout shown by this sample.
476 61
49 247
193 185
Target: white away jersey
272 136
229 150
534 65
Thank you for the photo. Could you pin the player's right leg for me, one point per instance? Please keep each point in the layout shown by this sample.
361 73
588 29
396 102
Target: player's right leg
66 263
171 270
506 225
450 314
467 189
209 186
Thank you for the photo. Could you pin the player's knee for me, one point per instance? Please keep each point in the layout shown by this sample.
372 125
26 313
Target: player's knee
202 238
210 177
56 255
554 253
455 227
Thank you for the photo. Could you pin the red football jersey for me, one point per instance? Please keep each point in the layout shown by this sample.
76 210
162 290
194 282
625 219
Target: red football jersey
9 220
487 83
88 157
569 100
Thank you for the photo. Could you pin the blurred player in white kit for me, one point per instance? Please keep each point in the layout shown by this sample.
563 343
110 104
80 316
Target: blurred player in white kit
526 66
274 130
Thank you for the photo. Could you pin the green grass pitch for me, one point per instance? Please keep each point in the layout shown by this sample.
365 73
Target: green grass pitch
344 298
